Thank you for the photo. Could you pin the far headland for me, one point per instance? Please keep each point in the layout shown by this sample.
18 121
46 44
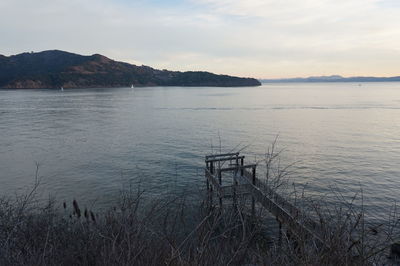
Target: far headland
333 78
60 69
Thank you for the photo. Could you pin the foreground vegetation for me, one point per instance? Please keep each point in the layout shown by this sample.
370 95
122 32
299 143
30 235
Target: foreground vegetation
175 231
167 232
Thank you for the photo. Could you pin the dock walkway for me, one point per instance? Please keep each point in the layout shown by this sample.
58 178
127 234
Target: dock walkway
245 182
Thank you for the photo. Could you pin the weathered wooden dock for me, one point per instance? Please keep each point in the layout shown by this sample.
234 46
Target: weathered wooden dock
244 181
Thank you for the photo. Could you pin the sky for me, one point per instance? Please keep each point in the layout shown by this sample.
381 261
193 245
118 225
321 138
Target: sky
252 38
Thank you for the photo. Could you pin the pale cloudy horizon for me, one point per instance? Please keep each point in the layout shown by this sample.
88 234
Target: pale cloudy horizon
256 38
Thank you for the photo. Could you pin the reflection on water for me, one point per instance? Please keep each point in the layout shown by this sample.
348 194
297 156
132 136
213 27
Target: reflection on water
89 142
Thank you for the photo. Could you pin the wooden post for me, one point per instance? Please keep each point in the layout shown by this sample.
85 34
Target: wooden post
220 184
280 234
395 251
210 196
207 182
234 187
209 187
253 201
235 183
241 164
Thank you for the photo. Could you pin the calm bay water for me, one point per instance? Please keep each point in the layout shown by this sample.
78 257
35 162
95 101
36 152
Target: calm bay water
90 143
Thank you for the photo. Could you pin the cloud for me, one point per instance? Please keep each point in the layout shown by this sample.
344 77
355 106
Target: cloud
263 38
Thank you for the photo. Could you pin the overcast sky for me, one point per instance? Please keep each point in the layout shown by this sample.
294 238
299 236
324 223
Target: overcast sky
258 38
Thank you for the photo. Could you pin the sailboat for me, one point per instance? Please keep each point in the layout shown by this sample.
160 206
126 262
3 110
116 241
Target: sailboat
132 86
62 89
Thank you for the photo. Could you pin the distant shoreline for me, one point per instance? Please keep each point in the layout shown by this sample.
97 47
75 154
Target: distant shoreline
127 87
334 78
342 81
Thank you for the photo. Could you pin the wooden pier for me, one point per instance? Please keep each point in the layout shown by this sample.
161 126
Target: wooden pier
244 181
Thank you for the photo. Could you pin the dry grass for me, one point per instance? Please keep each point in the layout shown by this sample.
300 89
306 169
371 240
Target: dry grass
165 232
169 231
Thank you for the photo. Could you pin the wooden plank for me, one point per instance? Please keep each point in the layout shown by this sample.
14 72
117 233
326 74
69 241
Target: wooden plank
294 222
285 212
238 167
221 155
224 159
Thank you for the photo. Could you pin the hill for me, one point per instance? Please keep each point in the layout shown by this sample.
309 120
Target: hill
55 69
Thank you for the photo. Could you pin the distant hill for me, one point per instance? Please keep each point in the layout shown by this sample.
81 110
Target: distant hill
334 78
55 69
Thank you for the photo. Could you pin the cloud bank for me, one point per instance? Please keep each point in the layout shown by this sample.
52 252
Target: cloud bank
261 38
